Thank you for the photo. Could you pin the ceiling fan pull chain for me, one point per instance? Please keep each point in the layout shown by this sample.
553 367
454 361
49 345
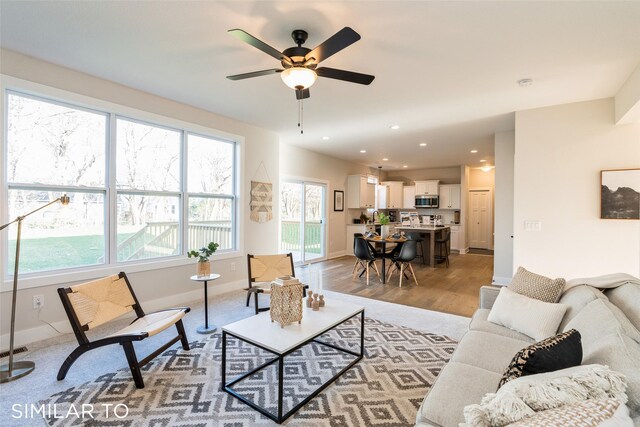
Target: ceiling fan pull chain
301 116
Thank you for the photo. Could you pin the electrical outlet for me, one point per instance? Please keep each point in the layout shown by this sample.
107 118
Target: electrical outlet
233 266
38 301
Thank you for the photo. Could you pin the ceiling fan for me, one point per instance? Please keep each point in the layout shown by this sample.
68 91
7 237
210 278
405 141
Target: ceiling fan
300 64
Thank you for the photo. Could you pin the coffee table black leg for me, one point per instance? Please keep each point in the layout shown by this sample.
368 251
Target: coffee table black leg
280 387
206 329
362 334
224 360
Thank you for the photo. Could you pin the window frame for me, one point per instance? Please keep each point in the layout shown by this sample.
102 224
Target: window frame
112 111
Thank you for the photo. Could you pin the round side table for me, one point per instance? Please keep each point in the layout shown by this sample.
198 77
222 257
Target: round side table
206 329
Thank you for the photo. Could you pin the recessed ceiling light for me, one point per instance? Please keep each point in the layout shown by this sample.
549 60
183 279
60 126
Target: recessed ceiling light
423 144
325 138
525 82
363 151
482 161
394 127
385 159
405 166
474 151
486 168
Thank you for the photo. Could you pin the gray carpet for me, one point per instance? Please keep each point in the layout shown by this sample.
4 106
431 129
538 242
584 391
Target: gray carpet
223 309
183 387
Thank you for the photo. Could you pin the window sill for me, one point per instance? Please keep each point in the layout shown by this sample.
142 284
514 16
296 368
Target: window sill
36 280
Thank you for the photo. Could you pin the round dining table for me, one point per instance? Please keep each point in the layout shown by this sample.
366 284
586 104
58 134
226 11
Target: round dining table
383 254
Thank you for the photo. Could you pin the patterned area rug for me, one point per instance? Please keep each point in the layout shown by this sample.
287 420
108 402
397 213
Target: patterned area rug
182 388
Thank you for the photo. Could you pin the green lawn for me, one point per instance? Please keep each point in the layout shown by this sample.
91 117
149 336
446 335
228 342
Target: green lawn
52 253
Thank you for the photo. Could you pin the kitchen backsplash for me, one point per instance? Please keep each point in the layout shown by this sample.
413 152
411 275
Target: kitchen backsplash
447 214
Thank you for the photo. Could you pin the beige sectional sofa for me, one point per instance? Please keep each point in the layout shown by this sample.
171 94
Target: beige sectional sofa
608 321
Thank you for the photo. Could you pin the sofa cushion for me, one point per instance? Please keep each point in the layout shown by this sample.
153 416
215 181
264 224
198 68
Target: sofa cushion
576 299
559 352
457 386
621 354
600 318
537 319
487 351
536 286
480 323
627 299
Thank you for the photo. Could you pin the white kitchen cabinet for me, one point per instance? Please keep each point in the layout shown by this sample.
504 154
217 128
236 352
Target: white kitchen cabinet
351 229
409 197
382 196
455 242
360 193
450 196
394 195
427 188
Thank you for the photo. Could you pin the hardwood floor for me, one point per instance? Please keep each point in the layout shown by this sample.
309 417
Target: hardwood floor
451 290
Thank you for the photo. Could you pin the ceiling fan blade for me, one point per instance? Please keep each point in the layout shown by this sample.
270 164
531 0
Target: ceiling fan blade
302 94
348 76
343 38
258 44
255 74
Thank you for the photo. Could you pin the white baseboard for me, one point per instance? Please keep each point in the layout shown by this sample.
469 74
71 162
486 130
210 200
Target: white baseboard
44 331
336 254
501 280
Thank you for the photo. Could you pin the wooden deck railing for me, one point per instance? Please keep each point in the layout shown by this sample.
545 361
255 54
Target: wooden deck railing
290 238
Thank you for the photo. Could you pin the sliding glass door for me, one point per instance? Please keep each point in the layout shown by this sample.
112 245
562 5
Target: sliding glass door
302 222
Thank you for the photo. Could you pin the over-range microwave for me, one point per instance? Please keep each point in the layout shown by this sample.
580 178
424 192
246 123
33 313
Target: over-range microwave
426 202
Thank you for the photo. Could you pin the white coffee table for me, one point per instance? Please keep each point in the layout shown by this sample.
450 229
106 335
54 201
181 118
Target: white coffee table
260 331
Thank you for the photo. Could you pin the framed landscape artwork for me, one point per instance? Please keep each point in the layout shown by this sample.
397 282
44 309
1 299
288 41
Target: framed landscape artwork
620 194
338 201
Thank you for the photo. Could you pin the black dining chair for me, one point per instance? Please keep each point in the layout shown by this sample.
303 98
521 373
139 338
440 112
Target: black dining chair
417 236
400 262
442 246
356 236
366 257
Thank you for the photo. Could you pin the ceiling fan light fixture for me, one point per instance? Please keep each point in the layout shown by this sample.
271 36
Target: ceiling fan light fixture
299 77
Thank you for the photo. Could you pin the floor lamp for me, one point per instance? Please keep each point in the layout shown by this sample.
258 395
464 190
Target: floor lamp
12 371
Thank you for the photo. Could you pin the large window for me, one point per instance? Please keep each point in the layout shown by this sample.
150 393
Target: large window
54 149
131 199
211 191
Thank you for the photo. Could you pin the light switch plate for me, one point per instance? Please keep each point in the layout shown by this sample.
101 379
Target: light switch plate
530 225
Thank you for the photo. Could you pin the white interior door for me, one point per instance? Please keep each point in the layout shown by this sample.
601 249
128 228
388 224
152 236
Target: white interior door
480 219
302 220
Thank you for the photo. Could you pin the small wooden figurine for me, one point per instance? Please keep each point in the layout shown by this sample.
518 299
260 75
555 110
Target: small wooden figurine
310 299
321 300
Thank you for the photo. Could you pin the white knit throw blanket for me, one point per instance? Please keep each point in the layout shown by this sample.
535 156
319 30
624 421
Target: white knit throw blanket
525 396
607 281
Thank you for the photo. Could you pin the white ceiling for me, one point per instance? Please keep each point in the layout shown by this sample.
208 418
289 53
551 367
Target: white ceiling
446 72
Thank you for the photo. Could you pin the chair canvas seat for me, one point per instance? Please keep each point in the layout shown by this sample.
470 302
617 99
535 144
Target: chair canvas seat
153 323
94 303
263 269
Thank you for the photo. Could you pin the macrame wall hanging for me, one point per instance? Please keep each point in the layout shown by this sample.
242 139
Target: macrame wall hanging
261 197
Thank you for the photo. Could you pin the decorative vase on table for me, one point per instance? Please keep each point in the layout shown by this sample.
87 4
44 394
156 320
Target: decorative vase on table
204 268
384 231
203 254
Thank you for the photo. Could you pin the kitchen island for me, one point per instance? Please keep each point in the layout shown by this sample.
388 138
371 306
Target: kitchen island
430 232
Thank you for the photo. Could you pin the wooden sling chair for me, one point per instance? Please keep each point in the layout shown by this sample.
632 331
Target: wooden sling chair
265 268
97 302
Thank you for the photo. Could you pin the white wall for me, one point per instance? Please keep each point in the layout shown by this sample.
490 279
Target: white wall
503 203
161 286
299 162
559 152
